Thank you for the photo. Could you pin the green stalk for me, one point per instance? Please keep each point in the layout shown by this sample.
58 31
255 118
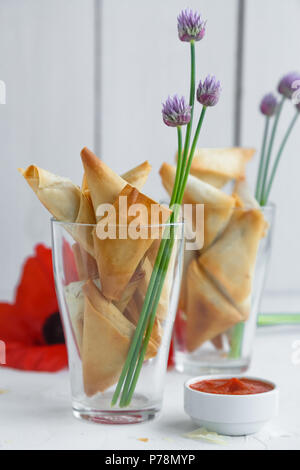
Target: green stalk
150 324
236 341
178 200
144 317
264 319
189 163
258 194
140 328
137 337
191 103
270 148
136 353
193 79
265 195
149 300
156 297
261 195
179 166
272 319
147 317
145 313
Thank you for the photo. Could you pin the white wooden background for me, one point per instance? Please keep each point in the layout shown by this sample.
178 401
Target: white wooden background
92 72
272 42
47 63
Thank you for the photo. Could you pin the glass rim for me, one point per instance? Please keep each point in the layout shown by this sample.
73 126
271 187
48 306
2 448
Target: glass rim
77 224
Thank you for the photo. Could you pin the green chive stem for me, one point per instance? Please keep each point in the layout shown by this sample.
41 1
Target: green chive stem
176 200
270 148
236 341
138 347
258 194
139 328
189 163
191 103
179 166
265 196
159 288
272 319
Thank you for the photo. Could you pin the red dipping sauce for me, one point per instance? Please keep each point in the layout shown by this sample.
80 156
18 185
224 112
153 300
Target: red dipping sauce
232 386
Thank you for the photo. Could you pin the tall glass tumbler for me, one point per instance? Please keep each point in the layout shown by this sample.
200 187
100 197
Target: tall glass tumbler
98 331
220 296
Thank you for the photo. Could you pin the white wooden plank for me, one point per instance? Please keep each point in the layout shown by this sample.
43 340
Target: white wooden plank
46 61
143 62
272 49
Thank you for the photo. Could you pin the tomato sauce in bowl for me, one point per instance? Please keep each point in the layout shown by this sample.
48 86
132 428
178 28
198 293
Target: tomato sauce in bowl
233 386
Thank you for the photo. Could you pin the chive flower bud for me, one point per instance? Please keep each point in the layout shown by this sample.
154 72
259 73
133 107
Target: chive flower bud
176 112
191 26
268 105
288 84
208 92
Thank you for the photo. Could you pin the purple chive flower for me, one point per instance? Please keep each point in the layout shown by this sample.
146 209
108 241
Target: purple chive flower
288 84
208 92
176 112
268 105
190 26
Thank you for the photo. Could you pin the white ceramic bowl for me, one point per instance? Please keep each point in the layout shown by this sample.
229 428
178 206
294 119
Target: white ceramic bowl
232 415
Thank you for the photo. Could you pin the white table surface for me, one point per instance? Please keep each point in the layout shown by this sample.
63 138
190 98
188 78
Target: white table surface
35 408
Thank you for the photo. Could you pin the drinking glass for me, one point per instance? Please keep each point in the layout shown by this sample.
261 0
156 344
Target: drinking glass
222 349
98 335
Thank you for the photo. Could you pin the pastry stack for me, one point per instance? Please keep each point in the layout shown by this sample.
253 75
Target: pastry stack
218 278
112 275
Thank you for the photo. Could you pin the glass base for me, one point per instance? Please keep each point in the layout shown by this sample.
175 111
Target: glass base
116 417
204 364
97 409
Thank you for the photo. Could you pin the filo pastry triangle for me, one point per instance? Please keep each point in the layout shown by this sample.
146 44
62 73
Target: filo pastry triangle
230 262
68 203
104 184
86 215
58 194
64 200
208 312
119 255
217 166
75 304
218 206
245 199
137 177
243 195
106 339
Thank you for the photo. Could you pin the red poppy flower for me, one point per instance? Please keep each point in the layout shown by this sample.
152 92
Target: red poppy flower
30 327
